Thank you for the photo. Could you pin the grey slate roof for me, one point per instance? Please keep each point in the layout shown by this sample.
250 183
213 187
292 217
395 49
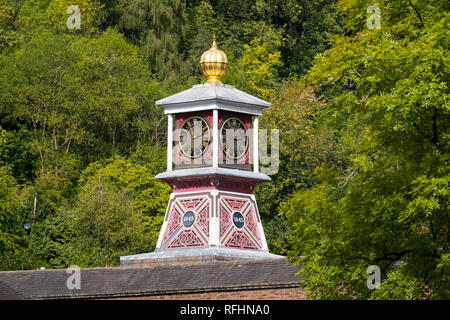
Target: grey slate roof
150 280
8 293
207 91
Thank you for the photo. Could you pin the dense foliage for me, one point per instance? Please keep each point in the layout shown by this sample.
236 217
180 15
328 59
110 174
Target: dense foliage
362 113
386 96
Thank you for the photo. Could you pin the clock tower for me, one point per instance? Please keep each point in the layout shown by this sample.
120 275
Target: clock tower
212 168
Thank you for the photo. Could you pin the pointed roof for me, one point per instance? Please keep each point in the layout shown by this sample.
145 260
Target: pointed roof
213 96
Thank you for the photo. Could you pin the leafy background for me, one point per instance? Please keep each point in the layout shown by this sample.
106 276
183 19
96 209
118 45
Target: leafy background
363 117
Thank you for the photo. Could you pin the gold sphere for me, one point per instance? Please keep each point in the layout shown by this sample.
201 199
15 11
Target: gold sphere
214 63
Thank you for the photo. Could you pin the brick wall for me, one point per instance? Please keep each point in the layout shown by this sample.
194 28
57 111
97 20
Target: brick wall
257 294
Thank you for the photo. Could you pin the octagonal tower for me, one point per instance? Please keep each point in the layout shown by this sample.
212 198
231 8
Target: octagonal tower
212 168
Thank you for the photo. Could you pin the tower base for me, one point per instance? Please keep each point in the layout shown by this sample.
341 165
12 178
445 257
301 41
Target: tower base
212 215
212 219
190 255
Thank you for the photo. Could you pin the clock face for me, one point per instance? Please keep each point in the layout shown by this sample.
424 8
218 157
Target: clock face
234 138
195 137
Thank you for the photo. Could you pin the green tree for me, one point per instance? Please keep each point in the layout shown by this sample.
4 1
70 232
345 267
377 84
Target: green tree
306 141
79 95
119 210
308 26
9 36
157 27
9 219
57 15
386 92
104 224
70 100
150 195
151 156
256 69
17 154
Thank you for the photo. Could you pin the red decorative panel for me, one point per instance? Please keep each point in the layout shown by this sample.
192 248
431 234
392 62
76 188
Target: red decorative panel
174 222
202 220
190 204
240 240
225 219
235 203
251 224
219 182
242 233
186 239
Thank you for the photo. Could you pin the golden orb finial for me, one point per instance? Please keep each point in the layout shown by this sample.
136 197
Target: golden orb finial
214 63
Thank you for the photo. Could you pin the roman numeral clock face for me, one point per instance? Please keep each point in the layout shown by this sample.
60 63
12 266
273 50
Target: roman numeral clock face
234 138
195 137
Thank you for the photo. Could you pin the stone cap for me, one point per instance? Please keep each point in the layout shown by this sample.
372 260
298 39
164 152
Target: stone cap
199 255
208 171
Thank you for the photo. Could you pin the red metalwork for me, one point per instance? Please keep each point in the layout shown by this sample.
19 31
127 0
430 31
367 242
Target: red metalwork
224 220
251 225
212 182
240 240
190 204
202 220
187 238
174 222
236 204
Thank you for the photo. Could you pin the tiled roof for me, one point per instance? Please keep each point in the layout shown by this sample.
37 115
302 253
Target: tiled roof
7 293
150 280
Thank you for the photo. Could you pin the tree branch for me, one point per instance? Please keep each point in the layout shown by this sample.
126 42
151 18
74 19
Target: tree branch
417 12
393 256
434 138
